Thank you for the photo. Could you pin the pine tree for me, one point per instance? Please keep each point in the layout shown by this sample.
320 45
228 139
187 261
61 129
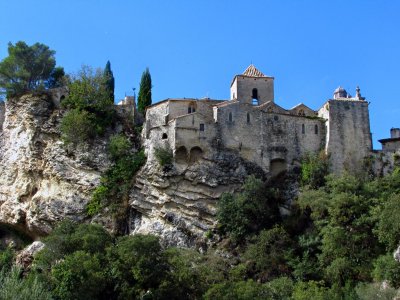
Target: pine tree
109 80
144 98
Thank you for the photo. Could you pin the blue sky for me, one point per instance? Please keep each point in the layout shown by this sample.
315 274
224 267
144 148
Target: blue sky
194 48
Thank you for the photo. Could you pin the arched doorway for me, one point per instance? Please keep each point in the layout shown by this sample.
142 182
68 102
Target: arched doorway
277 166
181 155
195 154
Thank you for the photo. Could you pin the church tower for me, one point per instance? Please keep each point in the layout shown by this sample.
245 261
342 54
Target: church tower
252 87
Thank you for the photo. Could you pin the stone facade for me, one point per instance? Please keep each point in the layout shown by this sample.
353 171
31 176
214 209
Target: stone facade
259 130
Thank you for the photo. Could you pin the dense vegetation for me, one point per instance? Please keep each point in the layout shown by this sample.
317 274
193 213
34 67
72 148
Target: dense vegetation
90 106
338 243
29 69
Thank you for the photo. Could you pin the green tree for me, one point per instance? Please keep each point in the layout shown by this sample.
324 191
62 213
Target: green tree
270 253
28 68
255 208
109 80
88 94
144 98
80 276
138 265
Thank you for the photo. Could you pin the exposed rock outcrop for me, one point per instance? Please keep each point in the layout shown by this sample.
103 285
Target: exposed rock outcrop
25 257
40 182
179 202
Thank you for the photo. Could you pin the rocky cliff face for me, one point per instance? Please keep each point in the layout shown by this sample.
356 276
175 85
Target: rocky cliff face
40 182
179 202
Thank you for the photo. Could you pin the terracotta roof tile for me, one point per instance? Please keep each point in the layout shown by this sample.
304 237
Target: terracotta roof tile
252 71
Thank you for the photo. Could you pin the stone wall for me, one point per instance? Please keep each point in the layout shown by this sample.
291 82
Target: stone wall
348 138
267 137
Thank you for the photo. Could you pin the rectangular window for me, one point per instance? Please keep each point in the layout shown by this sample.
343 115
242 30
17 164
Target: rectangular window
201 127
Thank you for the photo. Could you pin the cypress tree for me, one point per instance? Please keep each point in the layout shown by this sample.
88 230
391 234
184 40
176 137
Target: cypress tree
109 80
144 98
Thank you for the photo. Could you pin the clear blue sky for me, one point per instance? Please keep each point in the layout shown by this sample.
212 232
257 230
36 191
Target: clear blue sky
194 48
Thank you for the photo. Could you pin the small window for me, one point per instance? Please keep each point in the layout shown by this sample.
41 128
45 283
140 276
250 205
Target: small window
303 129
230 117
233 96
191 109
316 129
254 94
248 117
276 118
164 136
201 127
254 102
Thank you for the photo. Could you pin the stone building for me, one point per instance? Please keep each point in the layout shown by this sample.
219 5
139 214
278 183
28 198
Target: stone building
258 129
251 124
391 144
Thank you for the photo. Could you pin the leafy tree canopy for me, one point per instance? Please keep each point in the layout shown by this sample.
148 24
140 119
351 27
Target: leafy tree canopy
28 68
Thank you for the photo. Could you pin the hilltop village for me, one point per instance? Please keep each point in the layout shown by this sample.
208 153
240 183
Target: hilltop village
260 131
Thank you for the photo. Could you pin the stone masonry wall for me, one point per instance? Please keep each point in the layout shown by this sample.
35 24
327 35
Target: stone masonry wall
348 134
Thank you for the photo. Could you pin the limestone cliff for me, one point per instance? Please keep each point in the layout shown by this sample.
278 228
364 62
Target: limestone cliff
40 182
179 202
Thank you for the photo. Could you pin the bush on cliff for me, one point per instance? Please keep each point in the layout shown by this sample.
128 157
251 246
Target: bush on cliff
91 106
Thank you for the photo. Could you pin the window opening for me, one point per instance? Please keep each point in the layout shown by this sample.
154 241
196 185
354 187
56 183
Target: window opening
201 127
164 136
303 129
248 117
230 117
316 129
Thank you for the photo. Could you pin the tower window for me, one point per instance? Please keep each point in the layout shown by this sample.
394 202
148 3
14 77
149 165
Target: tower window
248 117
303 129
230 117
316 129
201 127
164 136
254 94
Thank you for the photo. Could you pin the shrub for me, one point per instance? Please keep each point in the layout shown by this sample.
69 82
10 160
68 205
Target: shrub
255 208
76 127
163 155
119 147
314 168
14 286
387 268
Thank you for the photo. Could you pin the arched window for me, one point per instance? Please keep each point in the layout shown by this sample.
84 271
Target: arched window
230 117
254 94
164 136
303 129
248 117
316 129
191 109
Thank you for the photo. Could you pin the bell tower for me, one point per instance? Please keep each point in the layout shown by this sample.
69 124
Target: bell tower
252 87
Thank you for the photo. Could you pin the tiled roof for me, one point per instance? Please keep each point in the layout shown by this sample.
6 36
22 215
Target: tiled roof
252 71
